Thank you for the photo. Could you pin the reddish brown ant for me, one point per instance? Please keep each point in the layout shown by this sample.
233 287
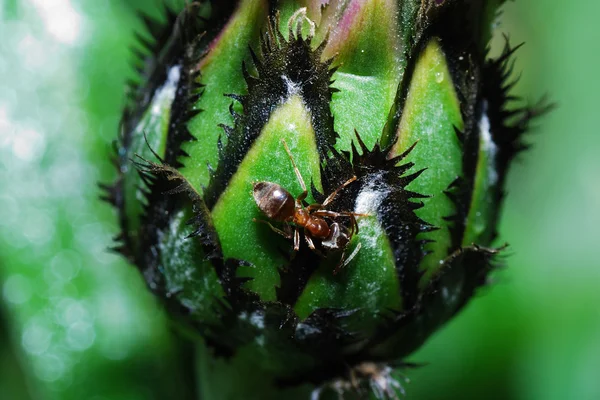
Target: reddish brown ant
279 205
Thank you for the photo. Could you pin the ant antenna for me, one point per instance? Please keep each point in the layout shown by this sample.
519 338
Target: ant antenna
333 194
347 261
296 170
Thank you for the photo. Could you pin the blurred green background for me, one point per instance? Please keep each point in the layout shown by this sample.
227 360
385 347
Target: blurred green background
76 322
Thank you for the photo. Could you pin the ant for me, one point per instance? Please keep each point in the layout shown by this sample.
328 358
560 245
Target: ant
279 205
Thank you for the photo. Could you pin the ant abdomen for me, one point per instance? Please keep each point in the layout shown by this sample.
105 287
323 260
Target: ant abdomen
274 201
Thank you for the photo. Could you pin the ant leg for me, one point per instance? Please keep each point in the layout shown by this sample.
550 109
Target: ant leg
330 198
286 235
348 260
315 206
304 193
354 224
311 245
296 240
333 214
327 213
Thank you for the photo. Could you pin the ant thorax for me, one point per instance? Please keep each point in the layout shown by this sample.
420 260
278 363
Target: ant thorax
317 227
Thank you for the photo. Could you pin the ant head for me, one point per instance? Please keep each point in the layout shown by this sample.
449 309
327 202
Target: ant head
338 238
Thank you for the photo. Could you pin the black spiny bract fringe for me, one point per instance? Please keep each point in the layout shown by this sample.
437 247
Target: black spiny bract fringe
508 123
152 69
383 176
152 73
158 209
295 275
285 67
478 262
180 42
325 336
228 331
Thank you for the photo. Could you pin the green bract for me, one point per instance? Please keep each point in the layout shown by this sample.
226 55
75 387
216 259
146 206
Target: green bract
397 94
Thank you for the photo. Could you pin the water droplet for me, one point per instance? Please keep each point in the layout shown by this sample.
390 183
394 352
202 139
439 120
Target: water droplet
439 77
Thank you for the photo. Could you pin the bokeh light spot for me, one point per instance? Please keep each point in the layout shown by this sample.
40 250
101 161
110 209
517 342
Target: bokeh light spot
60 19
80 336
36 337
17 289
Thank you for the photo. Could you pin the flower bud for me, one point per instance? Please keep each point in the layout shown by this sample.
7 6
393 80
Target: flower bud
313 187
